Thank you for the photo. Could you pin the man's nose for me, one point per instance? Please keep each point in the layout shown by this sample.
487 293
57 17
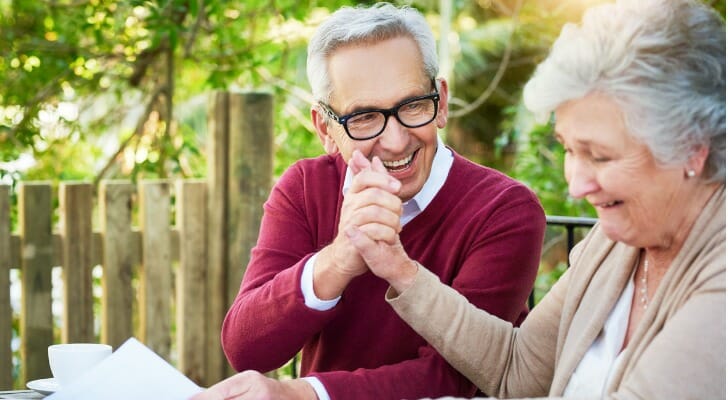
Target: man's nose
395 135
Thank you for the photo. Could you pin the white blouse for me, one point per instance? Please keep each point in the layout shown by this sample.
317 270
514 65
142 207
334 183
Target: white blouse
596 368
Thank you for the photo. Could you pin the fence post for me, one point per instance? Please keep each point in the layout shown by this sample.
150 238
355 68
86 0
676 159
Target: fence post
239 180
217 238
36 319
76 230
6 315
250 177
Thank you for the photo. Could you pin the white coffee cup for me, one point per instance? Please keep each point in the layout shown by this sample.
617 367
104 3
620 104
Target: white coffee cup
71 360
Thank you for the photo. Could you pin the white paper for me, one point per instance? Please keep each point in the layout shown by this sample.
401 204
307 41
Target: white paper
133 371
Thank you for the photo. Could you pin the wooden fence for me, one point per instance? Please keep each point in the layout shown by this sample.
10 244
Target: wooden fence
155 275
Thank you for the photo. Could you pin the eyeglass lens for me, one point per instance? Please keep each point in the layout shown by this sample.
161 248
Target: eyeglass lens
412 114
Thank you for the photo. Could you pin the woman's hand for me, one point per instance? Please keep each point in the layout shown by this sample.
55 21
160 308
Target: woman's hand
387 261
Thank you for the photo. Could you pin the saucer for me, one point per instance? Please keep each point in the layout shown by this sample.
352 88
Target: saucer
44 386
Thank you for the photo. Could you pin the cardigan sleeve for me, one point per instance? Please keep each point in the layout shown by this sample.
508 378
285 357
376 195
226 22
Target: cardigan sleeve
500 359
684 357
683 361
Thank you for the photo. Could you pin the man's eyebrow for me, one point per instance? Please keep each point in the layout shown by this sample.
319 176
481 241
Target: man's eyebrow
368 107
361 107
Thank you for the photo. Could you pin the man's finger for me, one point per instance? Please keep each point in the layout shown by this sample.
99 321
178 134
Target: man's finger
378 165
358 162
363 243
380 233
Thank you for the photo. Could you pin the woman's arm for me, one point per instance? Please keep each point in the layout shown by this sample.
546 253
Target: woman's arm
501 360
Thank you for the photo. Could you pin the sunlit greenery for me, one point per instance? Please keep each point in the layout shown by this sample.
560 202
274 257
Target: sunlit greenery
112 89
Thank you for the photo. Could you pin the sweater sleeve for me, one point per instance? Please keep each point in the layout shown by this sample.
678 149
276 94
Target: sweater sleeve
268 322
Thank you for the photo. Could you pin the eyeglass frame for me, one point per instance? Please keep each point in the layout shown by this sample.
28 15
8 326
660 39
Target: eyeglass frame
387 112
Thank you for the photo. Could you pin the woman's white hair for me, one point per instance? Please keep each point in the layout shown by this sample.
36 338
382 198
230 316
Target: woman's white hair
366 25
662 61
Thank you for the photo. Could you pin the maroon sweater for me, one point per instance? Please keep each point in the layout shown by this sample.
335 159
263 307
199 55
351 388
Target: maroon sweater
481 234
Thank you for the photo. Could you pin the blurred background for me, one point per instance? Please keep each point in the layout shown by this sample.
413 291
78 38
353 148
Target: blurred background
101 89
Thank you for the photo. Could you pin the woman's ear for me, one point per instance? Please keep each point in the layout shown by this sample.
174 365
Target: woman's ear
442 104
696 162
320 123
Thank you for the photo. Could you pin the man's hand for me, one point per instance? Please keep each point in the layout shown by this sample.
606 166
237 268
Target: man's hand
387 261
372 205
378 243
252 385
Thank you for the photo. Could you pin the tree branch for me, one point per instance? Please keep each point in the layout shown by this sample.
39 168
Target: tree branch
137 131
498 75
195 28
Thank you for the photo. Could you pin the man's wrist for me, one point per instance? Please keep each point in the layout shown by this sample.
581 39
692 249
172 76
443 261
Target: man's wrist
300 389
328 282
317 386
309 296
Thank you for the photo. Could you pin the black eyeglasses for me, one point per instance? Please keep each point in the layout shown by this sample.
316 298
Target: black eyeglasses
367 124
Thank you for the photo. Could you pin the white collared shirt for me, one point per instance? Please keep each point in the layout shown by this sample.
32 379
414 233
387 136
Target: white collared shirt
441 164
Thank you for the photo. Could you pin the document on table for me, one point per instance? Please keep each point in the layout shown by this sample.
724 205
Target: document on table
133 371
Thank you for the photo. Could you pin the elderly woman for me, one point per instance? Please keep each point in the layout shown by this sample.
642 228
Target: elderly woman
638 92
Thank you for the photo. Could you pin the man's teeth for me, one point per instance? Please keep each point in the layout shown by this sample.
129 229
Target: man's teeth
611 203
398 163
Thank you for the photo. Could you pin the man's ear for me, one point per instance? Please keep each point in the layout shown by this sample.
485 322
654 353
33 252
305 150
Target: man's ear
442 104
322 130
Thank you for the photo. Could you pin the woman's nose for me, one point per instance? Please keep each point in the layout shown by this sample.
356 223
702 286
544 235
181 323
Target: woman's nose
581 178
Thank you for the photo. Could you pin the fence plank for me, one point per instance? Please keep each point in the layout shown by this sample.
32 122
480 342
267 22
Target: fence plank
6 313
156 271
115 205
36 319
217 239
191 291
76 208
251 173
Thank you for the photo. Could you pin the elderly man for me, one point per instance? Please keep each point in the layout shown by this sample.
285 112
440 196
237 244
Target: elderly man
374 72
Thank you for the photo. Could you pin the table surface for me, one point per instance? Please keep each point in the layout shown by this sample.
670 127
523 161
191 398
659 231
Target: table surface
20 394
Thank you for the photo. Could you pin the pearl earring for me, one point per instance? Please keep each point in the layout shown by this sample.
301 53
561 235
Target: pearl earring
691 173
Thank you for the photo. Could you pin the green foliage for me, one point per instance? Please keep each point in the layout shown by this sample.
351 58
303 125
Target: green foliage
545 279
90 87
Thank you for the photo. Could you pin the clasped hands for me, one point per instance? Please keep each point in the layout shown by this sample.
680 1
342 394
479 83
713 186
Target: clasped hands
375 237
368 234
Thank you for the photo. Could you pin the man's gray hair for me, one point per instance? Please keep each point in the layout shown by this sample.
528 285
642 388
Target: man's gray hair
662 61
366 25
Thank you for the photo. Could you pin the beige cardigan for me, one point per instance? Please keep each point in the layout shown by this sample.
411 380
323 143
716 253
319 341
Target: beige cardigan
677 351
